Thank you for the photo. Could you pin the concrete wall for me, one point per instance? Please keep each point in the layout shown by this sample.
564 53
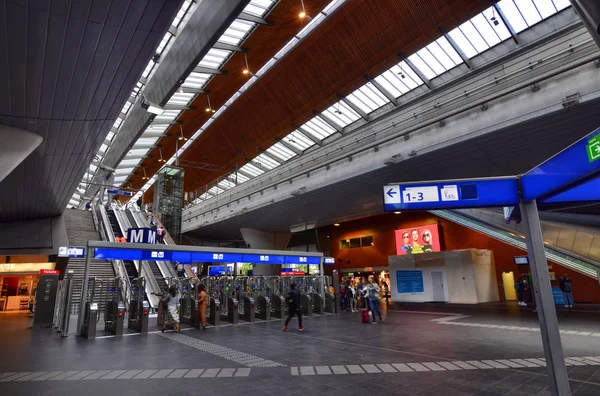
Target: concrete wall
33 237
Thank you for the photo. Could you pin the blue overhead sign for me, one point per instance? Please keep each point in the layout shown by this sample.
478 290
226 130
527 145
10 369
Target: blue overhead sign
587 192
119 192
184 257
328 260
468 193
71 251
576 163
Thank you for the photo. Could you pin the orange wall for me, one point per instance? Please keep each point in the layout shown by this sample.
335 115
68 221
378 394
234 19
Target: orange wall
452 237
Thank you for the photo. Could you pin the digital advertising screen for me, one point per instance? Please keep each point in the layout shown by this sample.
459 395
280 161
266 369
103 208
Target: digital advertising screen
418 240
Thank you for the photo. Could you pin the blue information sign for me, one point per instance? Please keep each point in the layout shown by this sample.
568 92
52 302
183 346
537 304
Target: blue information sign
216 270
71 251
587 192
210 257
302 260
469 193
570 165
119 192
263 258
328 260
117 254
409 281
156 255
559 297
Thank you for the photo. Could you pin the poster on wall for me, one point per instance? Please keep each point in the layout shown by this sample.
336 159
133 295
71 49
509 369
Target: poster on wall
417 240
409 282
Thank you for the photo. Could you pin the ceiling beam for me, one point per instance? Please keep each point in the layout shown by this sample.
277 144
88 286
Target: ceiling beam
191 90
416 70
457 48
177 107
310 136
280 161
208 70
288 146
381 89
509 27
229 47
329 122
354 107
252 18
256 164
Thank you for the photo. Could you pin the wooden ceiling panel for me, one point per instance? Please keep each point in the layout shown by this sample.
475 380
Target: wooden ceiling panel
361 38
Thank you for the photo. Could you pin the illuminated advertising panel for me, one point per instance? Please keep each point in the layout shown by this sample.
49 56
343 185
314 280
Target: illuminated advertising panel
417 240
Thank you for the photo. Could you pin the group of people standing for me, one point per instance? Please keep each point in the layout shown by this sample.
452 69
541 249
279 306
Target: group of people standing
369 293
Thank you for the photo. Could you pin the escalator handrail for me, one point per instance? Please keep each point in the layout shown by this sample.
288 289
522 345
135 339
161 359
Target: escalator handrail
553 254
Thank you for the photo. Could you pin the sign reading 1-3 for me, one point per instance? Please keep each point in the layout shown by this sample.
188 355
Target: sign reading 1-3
454 194
593 148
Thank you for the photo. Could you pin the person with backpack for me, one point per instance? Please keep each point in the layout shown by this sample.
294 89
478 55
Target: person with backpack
567 289
372 291
294 308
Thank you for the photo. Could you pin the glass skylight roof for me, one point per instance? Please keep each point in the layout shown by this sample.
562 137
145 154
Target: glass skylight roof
281 152
181 13
367 98
181 99
163 43
236 33
148 69
251 170
167 115
318 128
226 184
259 8
341 114
196 80
298 140
215 58
215 190
399 80
266 162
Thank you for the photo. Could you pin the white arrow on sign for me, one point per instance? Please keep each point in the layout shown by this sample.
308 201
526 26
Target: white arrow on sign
391 194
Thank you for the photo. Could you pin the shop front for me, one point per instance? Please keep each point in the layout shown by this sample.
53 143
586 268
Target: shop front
18 284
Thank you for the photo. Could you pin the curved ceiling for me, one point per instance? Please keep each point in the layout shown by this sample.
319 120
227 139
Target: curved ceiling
360 38
66 68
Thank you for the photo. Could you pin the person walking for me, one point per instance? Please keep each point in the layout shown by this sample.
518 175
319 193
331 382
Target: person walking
352 298
203 300
294 308
567 289
171 304
372 291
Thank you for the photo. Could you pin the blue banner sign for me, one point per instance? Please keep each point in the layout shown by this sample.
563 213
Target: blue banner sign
409 281
587 192
455 194
576 163
119 192
328 260
209 257
263 258
141 235
302 260
199 257
71 251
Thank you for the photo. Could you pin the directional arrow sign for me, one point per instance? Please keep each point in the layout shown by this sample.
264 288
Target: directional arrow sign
391 194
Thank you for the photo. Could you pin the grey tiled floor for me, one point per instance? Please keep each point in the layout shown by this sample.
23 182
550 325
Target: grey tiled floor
220 362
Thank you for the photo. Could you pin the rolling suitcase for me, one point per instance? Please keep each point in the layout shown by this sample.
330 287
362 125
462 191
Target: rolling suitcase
364 315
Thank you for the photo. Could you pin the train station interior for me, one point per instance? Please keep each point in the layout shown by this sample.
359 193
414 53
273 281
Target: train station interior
293 197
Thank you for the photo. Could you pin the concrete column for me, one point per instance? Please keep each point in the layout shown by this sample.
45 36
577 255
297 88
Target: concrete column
258 239
15 145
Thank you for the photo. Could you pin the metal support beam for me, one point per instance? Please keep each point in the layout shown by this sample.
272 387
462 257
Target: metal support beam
418 72
154 134
555 359
504 19
165 122
589 13
208 70
457 48
177 107
191 90
354 107
241 172
288 146
228 47
310 136
329 121
266 153
381 89
256 164
252 18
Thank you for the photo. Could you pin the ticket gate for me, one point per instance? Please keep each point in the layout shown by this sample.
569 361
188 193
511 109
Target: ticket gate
90 320
307 304
263 304
189 305
329 303
214 312
278 306
248 309
318 304
138 307
232 314
114 317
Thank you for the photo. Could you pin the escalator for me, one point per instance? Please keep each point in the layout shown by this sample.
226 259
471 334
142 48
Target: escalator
154 267
114 224
560 256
